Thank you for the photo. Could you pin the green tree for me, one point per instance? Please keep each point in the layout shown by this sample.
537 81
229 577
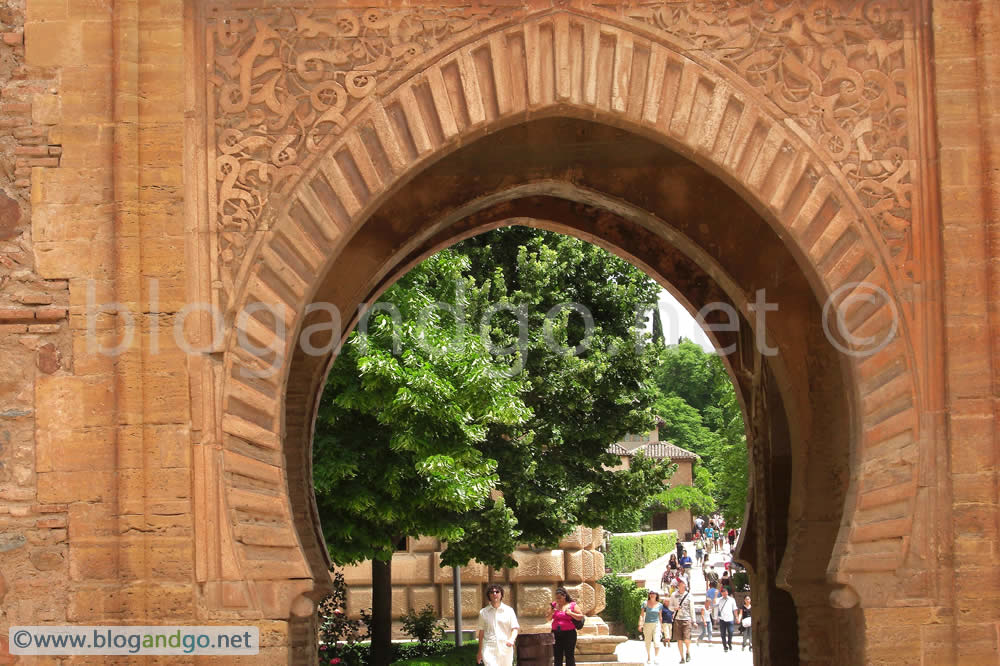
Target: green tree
487 450
395 450
552 469
700 413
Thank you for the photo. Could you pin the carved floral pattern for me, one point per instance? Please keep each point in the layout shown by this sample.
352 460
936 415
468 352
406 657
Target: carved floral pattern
836 66
283 82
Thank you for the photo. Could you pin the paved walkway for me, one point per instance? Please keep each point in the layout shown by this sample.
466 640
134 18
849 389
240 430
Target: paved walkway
706 654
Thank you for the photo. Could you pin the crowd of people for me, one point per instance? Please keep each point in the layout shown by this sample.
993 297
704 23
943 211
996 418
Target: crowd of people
672 617
664 618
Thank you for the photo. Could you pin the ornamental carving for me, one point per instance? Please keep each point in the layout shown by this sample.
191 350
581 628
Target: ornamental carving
837 68
283 82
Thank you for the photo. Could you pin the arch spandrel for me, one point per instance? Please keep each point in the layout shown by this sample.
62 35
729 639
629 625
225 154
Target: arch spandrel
501 70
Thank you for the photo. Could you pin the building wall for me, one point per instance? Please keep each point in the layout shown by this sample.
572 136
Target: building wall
418 580
121 490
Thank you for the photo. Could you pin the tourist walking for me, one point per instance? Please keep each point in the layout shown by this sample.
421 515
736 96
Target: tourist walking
667 619
650 625
672 565
726 582
745 627
731 536
699 550
706 619
562 613
711 577
685 562
712 593
727 616
498 629
710 538
682 605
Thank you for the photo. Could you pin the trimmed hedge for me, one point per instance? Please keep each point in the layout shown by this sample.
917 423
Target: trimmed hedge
628 553
622 601
462 656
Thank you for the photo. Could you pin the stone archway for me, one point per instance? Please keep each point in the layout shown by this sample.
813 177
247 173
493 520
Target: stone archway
501 74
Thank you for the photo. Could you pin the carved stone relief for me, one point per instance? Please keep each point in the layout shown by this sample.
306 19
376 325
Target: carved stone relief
837 68
283 82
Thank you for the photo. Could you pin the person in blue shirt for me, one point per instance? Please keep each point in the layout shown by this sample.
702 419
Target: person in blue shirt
686 562
651 625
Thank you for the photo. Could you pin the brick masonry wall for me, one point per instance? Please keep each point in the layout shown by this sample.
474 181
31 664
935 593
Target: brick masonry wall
34 338
95 452
966 67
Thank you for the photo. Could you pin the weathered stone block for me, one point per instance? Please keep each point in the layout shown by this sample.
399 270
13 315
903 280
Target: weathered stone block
600 599
544 566
93 561
534 600
358 598
425 595
47 559
400 601
472 600
424 544
598 564
358 574
411 568
75 487
473 572
584 595
574 539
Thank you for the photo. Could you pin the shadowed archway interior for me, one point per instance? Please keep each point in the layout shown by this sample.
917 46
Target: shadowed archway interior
695 235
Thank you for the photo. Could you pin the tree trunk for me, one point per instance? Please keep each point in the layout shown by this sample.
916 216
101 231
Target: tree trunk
381 613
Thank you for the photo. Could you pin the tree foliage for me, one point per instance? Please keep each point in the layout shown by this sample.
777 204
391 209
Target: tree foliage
426 429
395 450
700 413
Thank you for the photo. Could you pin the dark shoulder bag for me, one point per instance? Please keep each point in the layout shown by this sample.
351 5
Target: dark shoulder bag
577 623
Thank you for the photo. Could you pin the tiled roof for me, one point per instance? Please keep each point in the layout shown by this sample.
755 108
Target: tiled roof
662 450
619 450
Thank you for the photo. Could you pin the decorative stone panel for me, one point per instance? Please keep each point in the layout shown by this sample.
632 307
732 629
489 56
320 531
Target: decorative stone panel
546 565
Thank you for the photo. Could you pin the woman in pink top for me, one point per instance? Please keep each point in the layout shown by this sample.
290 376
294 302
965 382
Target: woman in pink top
562 613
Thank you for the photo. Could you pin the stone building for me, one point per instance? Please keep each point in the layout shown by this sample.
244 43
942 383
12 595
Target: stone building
419 580
182 181
651 446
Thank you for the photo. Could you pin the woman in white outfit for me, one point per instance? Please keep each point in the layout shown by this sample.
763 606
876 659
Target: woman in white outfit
498 629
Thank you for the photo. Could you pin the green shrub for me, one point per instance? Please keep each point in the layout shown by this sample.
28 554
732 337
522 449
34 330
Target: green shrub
341 637
628 553
657 545
425 626
462 656
622 601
